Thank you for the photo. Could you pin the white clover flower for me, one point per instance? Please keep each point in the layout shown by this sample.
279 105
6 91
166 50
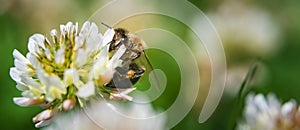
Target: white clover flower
67 69
268 114
133 116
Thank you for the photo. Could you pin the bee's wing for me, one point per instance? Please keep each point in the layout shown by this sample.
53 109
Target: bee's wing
156 81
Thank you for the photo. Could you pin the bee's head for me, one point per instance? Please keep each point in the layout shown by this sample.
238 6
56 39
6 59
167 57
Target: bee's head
120 33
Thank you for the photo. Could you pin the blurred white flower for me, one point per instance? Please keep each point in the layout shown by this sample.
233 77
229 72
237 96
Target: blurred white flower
246 28
246 31
268 114
112 116
65 69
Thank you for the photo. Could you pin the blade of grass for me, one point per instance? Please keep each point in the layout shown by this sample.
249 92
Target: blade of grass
241 95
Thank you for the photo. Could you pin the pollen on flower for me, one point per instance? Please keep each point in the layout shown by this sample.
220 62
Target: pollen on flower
67 68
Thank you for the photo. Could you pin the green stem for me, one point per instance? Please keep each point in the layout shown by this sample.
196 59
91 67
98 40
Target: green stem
241 95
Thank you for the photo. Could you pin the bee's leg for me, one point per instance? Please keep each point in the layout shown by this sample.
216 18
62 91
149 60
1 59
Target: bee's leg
137 54
111 45
131 55
135 71
130 71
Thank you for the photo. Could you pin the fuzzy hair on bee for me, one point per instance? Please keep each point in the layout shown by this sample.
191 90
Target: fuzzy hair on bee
130 71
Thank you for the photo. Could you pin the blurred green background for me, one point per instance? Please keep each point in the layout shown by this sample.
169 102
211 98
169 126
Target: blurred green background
265 29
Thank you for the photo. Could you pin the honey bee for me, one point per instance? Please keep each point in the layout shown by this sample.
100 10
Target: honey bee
130 71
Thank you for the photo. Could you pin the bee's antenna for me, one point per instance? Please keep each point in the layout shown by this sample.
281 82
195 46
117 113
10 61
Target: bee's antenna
106 25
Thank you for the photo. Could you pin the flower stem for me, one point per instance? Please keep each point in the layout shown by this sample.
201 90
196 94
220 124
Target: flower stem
241 95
